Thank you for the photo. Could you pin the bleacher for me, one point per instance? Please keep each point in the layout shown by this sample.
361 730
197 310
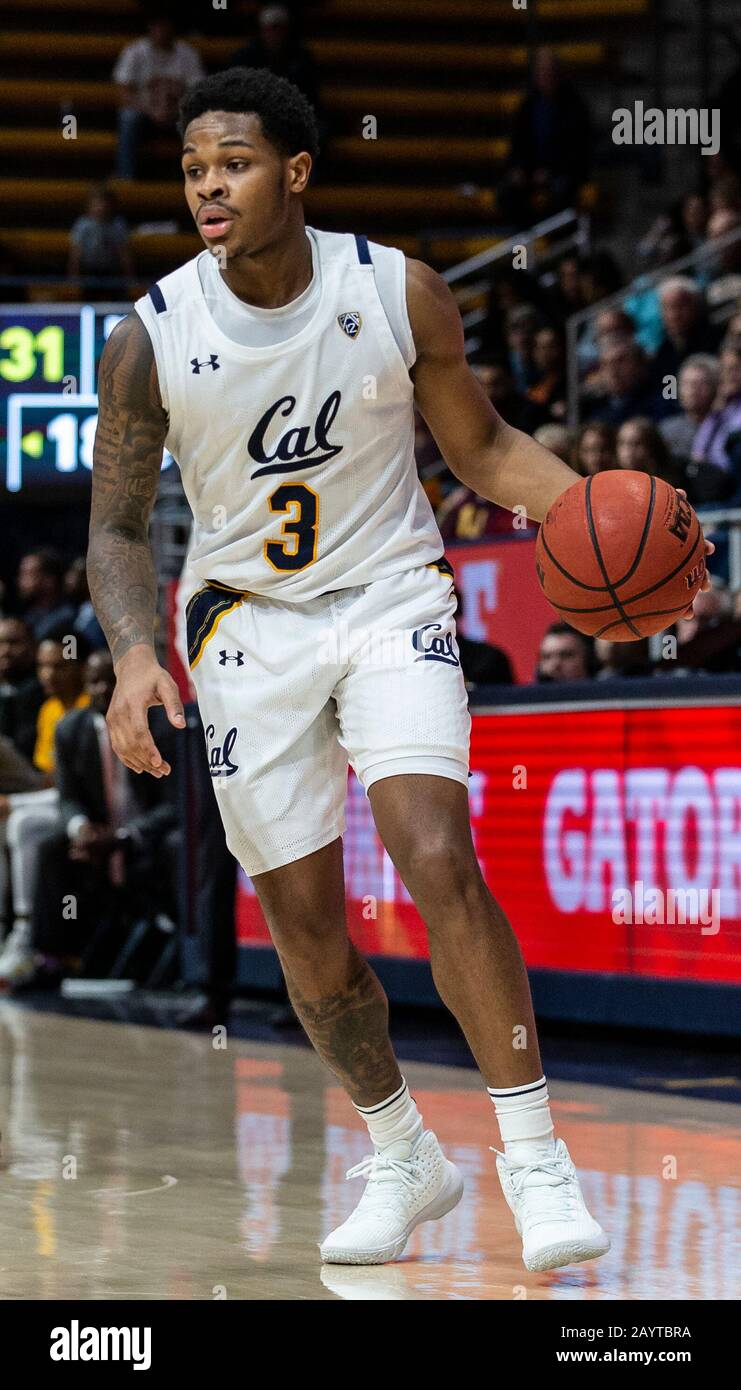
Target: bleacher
442 83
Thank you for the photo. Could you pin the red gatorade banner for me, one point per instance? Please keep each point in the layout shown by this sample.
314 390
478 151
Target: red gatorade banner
612 838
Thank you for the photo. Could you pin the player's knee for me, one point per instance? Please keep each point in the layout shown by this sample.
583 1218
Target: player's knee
445 873
307 935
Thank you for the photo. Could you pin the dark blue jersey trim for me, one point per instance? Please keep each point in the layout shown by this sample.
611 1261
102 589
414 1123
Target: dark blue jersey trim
364 255
158 299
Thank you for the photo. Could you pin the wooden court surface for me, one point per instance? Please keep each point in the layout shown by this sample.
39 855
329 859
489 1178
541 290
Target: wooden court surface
140 1163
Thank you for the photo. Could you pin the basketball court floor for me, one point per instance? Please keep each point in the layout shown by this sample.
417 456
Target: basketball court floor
146 1163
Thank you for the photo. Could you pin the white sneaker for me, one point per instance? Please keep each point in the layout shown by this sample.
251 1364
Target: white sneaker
407 1184
550 1212
17 960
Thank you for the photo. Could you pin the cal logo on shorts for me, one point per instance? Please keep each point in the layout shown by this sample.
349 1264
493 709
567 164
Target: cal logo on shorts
432 647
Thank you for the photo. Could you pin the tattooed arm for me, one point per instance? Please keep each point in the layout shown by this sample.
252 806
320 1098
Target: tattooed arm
127 455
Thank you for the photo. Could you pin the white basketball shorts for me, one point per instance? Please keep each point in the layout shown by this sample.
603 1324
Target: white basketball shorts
289 693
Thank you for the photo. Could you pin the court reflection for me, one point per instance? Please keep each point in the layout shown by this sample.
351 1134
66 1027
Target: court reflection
145 1163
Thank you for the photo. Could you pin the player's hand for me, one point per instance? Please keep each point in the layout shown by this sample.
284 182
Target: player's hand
141 683
707 582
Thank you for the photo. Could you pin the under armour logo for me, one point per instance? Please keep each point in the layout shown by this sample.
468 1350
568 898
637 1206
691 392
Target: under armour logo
226 656
350 323
213 363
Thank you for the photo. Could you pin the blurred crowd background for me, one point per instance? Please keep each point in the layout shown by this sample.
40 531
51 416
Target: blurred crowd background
461 131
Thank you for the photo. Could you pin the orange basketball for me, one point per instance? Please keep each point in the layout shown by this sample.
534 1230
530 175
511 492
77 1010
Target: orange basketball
620 555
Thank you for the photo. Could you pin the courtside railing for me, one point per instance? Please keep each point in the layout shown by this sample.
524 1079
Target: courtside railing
544 243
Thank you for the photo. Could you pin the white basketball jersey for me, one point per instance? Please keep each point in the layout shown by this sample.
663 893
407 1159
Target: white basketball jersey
297 459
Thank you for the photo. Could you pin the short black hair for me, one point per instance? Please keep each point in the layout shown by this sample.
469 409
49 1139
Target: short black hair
287 118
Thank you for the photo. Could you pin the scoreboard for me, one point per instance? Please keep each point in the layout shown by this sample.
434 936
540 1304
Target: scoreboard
49 356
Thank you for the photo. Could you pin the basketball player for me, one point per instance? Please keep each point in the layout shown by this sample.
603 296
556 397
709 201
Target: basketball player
280 367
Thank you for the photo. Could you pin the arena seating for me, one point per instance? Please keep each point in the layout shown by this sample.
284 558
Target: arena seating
442 84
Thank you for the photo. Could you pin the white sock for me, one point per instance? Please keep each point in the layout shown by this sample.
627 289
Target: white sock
393 1119
525 1122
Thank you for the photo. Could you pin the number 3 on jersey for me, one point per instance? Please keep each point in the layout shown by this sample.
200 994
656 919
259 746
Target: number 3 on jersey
296 547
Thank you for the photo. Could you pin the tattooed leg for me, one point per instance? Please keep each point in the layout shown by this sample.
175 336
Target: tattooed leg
336 995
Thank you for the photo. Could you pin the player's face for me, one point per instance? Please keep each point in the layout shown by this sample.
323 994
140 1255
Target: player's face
237 185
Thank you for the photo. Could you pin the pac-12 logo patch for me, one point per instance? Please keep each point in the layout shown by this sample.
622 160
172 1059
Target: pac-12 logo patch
350 323
433 648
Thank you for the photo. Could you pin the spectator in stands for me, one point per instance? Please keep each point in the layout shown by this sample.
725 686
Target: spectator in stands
599 276
733 331
522 322
464 516
151 74
557 438
724 194
566 296
710 641
686 329
592 340
516 298
39 587
116 828
718 439
620 660
725 287
277 47
565 655
698 386
21 694
60 667
99 246
675 233
641 448
664 242
595 449
515 408
481 662
630 390
549 360
76 588
550 154
26 817
694 217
